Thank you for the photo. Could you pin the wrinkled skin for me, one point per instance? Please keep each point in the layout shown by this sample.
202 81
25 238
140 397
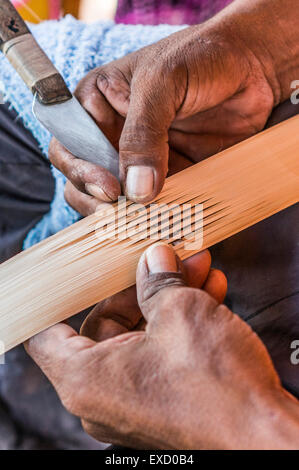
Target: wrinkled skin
190 379
186 97
197 373
192 92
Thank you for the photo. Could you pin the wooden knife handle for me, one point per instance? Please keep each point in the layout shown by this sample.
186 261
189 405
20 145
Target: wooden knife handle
28 59
11 23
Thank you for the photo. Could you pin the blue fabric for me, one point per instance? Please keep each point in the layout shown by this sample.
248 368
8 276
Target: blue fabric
75 48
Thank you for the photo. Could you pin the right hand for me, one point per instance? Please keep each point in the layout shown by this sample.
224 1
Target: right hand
194 93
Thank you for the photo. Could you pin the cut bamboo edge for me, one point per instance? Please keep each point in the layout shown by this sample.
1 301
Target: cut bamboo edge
76 268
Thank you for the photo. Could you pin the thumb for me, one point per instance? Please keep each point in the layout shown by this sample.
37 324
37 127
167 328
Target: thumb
159 268
143 146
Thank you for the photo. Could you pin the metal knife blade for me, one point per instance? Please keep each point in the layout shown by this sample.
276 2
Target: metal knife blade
77 132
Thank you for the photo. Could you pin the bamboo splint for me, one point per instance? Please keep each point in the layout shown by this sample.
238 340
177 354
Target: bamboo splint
74 269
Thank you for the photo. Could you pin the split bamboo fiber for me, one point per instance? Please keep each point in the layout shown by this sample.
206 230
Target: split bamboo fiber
75 268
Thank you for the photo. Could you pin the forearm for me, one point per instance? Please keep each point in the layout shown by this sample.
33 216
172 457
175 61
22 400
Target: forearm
270 30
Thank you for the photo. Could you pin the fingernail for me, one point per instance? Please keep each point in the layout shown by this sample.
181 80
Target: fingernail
140 182
161 259
97 192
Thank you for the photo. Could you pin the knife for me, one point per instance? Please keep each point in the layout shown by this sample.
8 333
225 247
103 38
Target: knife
53 103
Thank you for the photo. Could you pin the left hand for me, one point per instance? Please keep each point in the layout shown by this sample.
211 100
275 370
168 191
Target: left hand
190 380
171 104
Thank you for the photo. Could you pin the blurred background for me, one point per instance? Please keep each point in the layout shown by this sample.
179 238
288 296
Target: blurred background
86 10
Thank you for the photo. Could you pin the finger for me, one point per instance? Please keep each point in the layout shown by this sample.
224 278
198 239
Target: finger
114 316
143 147
85 176
59 349
54 346
73 363
197 269
114 82
158 268
163 296
216 285
86 205
82 203
121 313
94 101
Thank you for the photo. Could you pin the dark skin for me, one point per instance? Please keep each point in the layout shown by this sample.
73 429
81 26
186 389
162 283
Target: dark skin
170 105
185 98
208 99
159 386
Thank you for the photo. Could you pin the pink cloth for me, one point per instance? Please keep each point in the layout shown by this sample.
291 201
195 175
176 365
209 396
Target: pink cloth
155 12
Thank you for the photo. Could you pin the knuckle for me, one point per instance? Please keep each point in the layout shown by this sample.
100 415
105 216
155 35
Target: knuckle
161 284
177 309
191 305
33 348
188 302
191 298
76 171
224 320
227 322
220 326
89 100
223 311
87 92
104 78
171 294
159 67
72 395
114 79
176 300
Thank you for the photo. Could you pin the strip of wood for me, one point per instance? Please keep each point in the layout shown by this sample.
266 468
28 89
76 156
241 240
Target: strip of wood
79 266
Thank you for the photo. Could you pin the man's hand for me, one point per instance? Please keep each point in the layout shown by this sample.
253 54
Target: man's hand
184 98
195 92
196 377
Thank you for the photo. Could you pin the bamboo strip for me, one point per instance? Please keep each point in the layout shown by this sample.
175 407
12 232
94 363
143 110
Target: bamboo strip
74 269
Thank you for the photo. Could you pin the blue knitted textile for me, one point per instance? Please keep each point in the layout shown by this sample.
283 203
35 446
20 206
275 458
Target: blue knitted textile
75 48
